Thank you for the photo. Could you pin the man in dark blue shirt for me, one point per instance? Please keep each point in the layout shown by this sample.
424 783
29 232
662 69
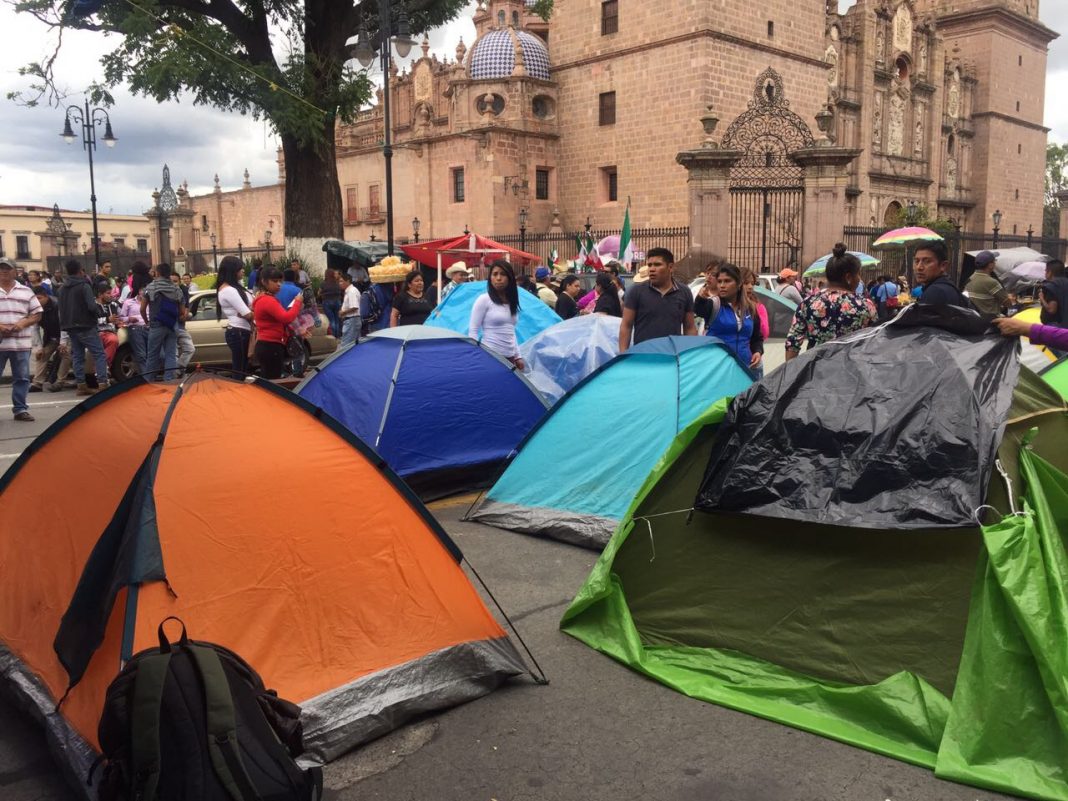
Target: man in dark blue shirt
930 264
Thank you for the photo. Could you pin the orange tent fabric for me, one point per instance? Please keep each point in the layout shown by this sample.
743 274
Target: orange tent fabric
330 577
426 253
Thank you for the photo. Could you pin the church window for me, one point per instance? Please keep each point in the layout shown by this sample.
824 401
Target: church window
22 247
1020 60
1017 194
1017 105
951 144
501 18
543 107
120 242
374 200
606 108
515 19
902 65
203 222
610 184
1019 149
771 29
458 185
541 183
609 17
352 204
142 246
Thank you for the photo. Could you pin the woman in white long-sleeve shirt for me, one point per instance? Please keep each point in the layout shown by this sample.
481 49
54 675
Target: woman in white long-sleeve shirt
496 313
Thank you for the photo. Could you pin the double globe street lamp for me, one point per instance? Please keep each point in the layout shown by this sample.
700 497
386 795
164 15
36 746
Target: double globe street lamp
88 121
364 51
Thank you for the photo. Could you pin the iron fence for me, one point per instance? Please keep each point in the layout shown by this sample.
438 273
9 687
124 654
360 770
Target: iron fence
677 240
898 261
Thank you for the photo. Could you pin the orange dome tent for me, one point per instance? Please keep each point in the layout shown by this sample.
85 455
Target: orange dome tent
188 499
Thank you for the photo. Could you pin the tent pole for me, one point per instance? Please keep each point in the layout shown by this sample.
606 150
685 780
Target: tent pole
440 287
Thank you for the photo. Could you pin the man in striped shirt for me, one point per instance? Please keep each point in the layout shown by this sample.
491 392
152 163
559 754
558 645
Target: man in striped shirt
20 311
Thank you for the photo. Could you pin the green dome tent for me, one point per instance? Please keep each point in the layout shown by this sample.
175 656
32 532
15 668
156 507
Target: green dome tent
926 638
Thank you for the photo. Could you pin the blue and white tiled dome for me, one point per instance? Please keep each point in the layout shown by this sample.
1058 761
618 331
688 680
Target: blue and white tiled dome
493 56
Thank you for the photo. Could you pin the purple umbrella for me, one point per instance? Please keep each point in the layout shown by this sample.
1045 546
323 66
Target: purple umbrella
609 246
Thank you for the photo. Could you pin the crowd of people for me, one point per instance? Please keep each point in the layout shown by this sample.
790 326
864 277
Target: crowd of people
53 325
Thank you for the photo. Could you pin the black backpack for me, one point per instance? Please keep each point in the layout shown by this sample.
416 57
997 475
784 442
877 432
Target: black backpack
374 308
193 722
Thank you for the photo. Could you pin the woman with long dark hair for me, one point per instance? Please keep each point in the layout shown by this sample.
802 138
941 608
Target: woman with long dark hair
272 322
331 293
833 311
496 313
232 301
130 315
736 323
411 306
607 295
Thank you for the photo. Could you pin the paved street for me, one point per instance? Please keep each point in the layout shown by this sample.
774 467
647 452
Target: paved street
598 731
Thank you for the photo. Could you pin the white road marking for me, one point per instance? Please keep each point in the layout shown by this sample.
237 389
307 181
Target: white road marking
71 402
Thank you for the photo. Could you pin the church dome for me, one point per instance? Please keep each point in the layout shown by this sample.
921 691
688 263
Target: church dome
493 56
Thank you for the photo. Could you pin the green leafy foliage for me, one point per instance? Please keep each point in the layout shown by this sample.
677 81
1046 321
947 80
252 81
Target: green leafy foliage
1056 181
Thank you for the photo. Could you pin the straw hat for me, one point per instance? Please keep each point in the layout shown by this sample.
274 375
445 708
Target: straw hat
388 271
643 275
457 267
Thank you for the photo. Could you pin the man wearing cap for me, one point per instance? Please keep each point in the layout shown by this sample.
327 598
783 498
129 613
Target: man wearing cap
457 274
20 311
546 293
984 290
786 286
658 307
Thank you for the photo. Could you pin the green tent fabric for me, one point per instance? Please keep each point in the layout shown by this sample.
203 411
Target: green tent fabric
939 647
1056 375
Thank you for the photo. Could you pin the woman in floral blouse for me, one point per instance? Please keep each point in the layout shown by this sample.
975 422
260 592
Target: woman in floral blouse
835 310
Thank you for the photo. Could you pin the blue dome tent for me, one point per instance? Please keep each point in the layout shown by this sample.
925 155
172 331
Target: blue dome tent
575 474
454 313
440 409
563 354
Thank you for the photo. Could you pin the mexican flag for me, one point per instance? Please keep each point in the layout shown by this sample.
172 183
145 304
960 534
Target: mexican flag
580 246
593 258
626 247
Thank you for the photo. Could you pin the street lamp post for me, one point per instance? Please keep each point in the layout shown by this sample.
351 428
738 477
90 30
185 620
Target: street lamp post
240 252
88 120
911 212
996 216
364 52
267 241
214 253
415 228
523 229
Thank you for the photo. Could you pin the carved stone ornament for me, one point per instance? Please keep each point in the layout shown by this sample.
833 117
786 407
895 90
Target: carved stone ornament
877 121
903 29
895 134
880 41
917 138
55 224
951 175
831 57
422 81
953 96
168 200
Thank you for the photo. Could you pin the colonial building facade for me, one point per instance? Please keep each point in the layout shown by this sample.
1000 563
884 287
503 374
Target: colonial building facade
937 103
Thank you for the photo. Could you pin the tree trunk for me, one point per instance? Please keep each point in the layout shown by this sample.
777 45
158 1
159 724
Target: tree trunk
313 196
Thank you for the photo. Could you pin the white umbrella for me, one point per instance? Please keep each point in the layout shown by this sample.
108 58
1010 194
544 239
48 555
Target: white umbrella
1030 270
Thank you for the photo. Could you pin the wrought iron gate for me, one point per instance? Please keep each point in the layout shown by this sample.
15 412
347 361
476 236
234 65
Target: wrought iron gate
767 185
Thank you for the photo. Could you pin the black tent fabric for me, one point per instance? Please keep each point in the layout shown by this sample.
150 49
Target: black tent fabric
851 434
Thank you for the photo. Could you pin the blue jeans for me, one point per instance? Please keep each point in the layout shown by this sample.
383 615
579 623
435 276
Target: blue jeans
162 345
332 310
137 335
81 340
350 331
20 372
237 340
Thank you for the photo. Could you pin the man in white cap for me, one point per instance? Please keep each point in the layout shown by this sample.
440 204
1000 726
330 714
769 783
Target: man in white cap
457 274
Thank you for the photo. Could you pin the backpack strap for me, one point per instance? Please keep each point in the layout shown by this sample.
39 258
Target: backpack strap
222 725
144 724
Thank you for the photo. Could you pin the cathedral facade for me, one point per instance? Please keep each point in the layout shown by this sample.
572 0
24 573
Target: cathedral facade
937 103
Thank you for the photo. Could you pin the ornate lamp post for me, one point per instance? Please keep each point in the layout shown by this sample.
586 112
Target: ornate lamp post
214 253
588 226
910 212
415 228
467 231
523 229
996 216
364 51
267 241
87 121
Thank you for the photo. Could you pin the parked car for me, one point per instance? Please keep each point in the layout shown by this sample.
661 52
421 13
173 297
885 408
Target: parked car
209 338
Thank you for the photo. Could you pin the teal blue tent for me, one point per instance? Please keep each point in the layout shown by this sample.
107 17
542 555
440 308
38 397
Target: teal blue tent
454 312
575 474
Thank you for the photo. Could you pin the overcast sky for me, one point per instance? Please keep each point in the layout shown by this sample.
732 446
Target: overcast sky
36 167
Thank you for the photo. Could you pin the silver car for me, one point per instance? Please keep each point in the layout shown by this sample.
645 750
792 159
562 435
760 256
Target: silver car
209 339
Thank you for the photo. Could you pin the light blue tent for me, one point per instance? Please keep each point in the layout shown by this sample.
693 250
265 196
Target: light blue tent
454 312
576 473
440 409
563 354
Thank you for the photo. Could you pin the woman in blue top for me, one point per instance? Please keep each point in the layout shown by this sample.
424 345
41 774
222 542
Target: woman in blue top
735 323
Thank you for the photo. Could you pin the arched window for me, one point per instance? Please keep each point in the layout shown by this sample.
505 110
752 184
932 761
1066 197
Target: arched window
951 144
893 213
902 67
501 18
515 19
